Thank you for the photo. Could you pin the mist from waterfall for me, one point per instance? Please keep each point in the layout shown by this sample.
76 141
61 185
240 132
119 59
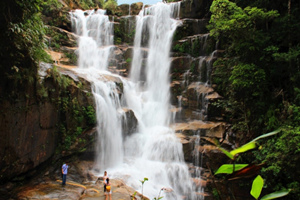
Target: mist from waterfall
153 151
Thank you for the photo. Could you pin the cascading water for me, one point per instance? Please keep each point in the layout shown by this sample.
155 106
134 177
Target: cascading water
153 151
95 42
96 38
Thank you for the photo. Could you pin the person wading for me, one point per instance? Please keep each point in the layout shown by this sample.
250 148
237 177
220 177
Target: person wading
108 190
105 177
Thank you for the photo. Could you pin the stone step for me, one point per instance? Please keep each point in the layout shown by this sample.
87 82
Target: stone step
210 129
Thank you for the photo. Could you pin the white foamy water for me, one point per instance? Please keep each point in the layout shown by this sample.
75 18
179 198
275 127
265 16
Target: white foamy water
95 42
153 151
96 38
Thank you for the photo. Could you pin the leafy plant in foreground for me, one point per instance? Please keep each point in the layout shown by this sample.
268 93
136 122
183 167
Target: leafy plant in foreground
143 181
155 198
236 171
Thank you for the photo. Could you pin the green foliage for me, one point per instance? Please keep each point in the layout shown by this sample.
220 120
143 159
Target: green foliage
72 57
244 148
129 60
257 186
31 34
282 154
42 92
91 115
22 46
143 181
182 48
230 168
110 6
133 195
256 74
56 38
230 20
276 195
248 79
266 135
258 182
50 6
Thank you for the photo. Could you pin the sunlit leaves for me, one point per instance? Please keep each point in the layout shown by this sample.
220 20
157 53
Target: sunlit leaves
267 135
229 19
244 148
226 152
257 186
241 149
275 195
229 168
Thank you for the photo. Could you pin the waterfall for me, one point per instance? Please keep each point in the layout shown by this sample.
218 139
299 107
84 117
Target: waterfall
95 42
153 151
96 38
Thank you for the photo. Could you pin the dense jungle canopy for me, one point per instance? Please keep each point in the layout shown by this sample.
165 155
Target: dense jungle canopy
259 78
258 75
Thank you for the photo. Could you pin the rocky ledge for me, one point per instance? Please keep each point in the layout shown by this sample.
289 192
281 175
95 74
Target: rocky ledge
81 184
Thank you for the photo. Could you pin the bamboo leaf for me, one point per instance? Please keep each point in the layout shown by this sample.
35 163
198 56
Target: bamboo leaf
266 135
257 186
228 168
275 195
245 147
227 153
223 150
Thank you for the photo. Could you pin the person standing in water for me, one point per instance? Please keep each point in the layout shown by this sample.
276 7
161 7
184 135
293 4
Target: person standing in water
105 177
64 171
108 190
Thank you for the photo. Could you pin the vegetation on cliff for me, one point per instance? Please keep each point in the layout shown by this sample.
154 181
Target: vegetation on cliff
51 109
22 45
258 76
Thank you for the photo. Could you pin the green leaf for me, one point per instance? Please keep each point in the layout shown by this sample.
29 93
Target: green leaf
223 150
257 186
275 195
227 153
145 179
266 135
245 147
228 168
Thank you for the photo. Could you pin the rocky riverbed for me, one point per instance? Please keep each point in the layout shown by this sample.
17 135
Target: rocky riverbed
81 184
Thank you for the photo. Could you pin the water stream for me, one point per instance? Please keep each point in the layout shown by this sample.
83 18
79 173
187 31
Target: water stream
153 151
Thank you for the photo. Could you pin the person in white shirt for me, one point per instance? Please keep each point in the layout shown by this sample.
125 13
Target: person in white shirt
64 171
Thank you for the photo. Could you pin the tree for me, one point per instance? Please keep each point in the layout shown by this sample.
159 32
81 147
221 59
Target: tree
241 32
257 78
22 45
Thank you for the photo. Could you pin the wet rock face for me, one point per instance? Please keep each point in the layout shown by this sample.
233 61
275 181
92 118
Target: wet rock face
123 10
129 123
27 136
124 30
29 128
195 9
